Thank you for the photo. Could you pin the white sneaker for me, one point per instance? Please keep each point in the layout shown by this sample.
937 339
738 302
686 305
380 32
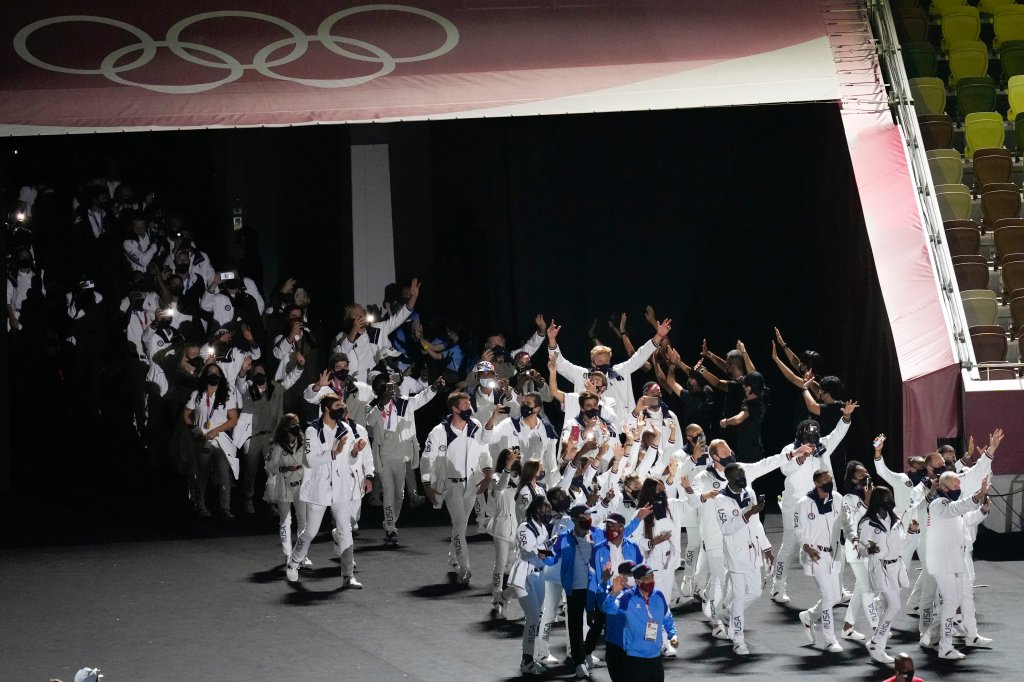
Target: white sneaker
350 582
669 651
958 627
720 632
550 660
499 611
852 634
926 642
834 647
532 668
686 587
780 597
877 653
593 661
291 572
337 541
307 563
582 672
464 576
951 654
978 641
846 597
805 618
740 648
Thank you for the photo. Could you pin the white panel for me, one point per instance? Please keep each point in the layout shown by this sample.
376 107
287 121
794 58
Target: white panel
373 241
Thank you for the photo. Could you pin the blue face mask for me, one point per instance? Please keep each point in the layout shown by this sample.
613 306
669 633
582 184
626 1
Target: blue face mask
726 461
952 495
917 476
540 476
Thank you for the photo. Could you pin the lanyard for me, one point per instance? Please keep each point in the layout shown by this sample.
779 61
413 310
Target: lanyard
386 414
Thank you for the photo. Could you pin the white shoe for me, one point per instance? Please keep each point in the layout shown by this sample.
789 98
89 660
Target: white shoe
582 672
780 597
307 563
337 541
978 641
532 668
705 608
852 634
877 653
464 576
805 618
669 651
686 587
834 647
550 660
846 597
291 573
926 642
958 627
499 611
350 582
720 632
740 648
593 661
952 655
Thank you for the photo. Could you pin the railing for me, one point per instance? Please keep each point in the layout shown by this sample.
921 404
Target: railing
901 105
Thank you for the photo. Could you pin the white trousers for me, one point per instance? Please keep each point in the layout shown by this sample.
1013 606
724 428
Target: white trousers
746 587
284 515
533 605
954 592
392 483
552 601
788 554
692 551
863 600
342 521
717 576
890 603
504 557
459 505
830 586
928 591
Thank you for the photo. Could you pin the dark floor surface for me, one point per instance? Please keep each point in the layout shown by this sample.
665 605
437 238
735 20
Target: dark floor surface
147 597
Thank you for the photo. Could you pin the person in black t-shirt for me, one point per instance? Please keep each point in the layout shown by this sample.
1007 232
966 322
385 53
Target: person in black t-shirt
747 421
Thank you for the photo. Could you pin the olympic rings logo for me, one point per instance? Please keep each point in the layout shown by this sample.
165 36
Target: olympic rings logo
146 47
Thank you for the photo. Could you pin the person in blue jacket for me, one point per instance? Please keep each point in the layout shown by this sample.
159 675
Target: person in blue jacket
614 630
575 549
647 621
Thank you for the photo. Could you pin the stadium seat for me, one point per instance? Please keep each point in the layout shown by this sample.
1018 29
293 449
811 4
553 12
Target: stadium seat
1015 97
1011 60
920 60
946 166
967 59
1008 24
989 347
938 7
980 311
970 258
997 373
960 24
993 6
1008 240
954 201
1017 313
975 93
997 204
1013 278
929 95
963 240
911 24
982 130
978 293
992 165
971 275
936 131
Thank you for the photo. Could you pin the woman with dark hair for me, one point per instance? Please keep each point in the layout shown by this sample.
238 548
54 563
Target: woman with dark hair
855 505
527 577
882 541
530 487
658 535
502 525
210 413
284 478
748 420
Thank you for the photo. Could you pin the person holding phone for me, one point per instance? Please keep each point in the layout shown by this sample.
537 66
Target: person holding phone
855 504
363 339
816 532
646 620
596 384
502 525
747 549
531 432
527 579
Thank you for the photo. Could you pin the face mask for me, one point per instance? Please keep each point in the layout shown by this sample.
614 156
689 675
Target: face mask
466 415
137 303
726 461
338 415
613 534
952 495
585 522
603 368
813 437
660 505
827 488
212 379
341 375
590 414
181 268
259 379
196 362
577 482
488 383
917 476
526 410
561 505
646 586
740 483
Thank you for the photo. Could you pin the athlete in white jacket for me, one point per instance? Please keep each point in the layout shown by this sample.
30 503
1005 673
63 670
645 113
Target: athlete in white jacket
816 526
327 482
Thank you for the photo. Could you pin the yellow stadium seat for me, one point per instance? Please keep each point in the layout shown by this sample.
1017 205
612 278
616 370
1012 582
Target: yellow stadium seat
1008 25
960 24
983 129
954 201
980 311
929 95
967 59
946 165
993 6
940 7
1015 95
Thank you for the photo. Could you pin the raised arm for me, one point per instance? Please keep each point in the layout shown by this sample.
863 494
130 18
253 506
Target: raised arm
790 375
882 469
556 392
573 373
645 351
536 339
794 360
747 362
708 355
708 376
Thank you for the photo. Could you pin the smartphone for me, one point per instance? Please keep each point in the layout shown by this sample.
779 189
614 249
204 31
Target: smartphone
622 438
504 409
224 276
574 434
877 443
761 500
87 284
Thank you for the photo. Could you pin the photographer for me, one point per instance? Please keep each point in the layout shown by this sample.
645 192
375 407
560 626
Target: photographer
230 298
364 337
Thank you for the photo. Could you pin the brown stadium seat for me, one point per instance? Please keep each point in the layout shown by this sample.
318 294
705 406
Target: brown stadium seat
936 131
1017 314
992 165
997 373
989 347
1013 278
971 275
963 241
999 204
970 258
1008 240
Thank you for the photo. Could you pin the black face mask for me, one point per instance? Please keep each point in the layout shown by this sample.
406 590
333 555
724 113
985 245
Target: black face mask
466 415
295 430
338 415
136 303
259 379
561 504
740 483
212 379
196 362
24 264
181 268
917 476
526 410
590 414
827 488
726 461
341 375
951 495
660 505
